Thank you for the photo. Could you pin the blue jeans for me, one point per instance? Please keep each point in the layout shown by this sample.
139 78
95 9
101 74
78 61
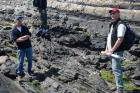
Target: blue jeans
117 70
21 55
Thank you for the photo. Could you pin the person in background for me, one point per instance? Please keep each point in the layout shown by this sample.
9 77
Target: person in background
43 13
22 36
41 6
115 46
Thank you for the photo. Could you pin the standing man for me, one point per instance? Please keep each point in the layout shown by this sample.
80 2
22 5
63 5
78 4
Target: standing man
41 5
115 45
21 35
43 13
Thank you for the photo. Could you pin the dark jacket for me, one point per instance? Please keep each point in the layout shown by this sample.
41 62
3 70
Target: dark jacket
114 35
16 34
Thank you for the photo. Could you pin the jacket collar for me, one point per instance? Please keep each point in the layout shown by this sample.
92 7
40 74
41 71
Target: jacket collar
114 23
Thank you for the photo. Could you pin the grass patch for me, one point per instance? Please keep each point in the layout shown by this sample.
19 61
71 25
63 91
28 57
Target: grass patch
127 63
128 85
109 77
36 86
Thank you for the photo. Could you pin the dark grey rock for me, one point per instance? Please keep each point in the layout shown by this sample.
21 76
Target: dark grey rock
136 82
97 43
75 40
10 11
9 86
136 76
9 69
70 60
28 14
135 51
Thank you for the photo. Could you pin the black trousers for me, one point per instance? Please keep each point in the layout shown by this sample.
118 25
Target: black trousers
43 17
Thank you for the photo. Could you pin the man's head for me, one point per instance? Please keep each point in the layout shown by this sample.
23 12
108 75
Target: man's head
114 13
18 20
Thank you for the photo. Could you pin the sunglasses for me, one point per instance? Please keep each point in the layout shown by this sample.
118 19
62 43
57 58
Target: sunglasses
112 13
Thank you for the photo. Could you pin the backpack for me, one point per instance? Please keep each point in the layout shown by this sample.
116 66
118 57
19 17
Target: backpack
129 37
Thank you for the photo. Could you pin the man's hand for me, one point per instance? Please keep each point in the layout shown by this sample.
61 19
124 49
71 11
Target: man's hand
104 52
107 52
28 36
23 38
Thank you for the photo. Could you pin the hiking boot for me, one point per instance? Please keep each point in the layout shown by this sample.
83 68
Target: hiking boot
31 73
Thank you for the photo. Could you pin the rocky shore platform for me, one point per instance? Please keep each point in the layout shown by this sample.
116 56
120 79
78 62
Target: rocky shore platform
67 58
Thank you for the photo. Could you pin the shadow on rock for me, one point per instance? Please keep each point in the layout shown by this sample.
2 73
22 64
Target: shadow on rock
42 76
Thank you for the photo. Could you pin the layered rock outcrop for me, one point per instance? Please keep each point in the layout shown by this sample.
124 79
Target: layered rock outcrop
98 7
67 58
9 86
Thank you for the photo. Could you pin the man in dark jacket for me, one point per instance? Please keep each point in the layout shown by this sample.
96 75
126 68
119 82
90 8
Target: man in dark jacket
21 35
115 46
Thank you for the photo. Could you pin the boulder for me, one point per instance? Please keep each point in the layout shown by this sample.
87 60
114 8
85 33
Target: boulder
9 86
3 59
97 43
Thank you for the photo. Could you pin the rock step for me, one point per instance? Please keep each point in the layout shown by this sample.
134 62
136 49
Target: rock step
126 14
9 86
108 3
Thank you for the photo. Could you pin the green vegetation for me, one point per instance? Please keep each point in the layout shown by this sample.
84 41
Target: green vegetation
36 86
109 77
35 82
130 86
127 63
